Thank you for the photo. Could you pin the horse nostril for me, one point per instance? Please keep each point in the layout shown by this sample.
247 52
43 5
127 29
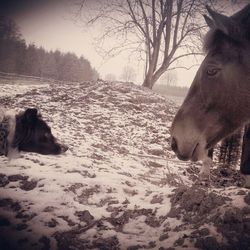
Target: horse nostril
174 145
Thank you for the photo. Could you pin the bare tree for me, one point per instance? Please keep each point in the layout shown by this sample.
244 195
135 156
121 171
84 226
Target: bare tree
128 74
160 31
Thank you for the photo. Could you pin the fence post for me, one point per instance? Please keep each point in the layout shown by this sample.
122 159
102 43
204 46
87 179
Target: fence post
245 155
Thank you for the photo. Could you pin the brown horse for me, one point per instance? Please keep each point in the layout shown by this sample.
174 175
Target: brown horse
218 102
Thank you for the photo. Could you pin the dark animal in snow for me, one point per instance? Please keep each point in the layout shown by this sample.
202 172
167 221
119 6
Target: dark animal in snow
28 132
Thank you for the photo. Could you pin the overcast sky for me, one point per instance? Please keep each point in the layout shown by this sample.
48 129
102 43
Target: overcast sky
50 24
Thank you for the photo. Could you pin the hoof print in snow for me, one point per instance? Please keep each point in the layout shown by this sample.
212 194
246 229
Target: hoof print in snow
3 180
28 185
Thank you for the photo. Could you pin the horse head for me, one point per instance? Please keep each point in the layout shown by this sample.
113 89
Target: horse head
218 101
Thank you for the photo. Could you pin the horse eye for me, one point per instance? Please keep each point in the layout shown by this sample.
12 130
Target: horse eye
212 71
46 135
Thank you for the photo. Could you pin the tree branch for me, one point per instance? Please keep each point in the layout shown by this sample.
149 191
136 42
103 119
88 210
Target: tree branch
184 55
176 28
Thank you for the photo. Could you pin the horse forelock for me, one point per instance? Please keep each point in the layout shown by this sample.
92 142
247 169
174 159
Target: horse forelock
215 39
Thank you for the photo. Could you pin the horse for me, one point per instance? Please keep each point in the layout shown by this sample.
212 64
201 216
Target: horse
218 101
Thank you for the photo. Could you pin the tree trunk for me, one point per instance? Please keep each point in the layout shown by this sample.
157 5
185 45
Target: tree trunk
148 81
245 155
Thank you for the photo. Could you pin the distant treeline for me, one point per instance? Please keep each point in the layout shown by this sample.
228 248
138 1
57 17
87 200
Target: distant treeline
18 57
170 90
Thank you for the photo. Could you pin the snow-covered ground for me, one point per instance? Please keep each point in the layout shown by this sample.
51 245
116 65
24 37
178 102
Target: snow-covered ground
119 186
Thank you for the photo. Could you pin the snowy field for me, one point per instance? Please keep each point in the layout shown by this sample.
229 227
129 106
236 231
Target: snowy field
119 186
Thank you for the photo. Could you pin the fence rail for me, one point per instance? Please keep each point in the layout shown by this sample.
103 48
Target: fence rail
13 76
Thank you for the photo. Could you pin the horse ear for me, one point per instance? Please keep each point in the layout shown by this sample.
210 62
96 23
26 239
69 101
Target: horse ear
243 16
30 115
221 22
209 21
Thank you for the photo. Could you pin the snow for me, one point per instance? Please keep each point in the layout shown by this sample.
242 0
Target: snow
119 168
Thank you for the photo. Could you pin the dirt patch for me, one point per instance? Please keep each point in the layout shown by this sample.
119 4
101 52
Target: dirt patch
234 225
85 216
197 207
3 180
28 185
111 243
196 202
87 193
10 204
52 223
226 177
17 177
74 187
68 220
70 240
157 199
151 218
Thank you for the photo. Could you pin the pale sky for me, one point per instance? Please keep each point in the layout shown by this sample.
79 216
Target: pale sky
52 27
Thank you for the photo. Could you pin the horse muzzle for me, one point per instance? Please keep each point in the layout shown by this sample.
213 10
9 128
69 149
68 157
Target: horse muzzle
188 142
186 151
